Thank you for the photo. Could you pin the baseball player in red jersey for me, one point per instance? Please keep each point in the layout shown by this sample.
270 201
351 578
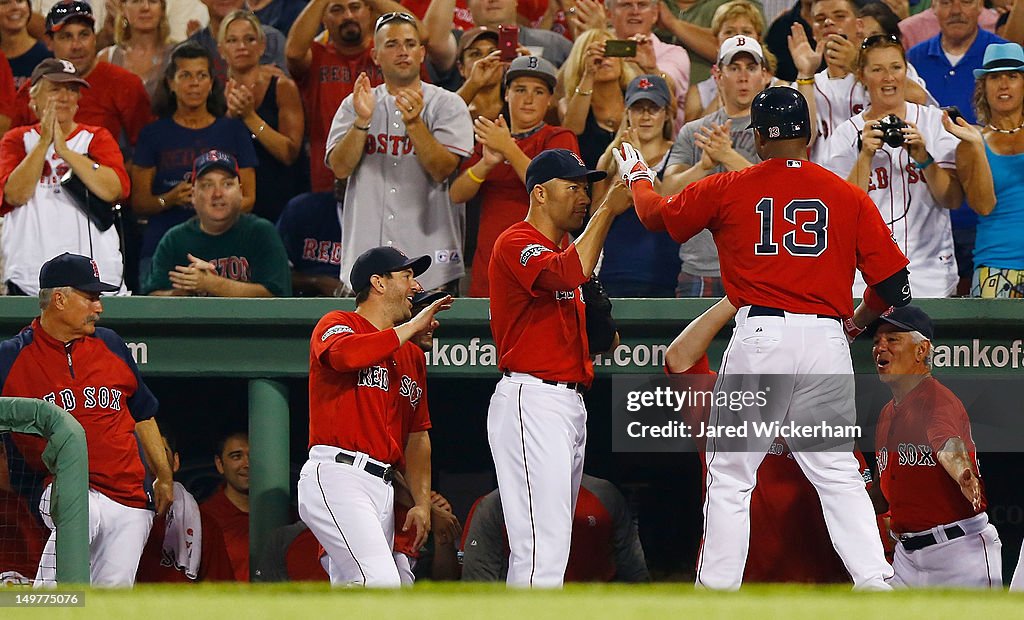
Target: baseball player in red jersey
536 422
65 359
409 426
345 493
929 467
790 235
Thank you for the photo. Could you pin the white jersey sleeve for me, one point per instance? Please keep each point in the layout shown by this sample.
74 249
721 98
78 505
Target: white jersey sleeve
343 120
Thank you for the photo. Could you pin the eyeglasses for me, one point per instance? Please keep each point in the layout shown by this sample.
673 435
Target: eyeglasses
879 39
390 17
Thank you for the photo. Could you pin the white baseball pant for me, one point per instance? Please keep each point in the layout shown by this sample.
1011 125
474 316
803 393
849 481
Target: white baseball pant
973 560
352 514
806 361
117 536
406 566
1017 581
538 434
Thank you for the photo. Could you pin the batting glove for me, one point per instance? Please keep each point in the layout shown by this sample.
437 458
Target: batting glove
632 166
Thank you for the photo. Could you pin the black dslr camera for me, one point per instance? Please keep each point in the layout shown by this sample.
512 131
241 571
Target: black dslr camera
892 130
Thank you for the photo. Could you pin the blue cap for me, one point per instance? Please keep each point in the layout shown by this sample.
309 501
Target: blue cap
1001 57
214 159
651 88
381 260
559 164
74 270
909 319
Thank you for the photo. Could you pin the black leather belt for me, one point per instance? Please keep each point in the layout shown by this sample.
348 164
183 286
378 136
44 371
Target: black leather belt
914 543
569 385
766 311
385 473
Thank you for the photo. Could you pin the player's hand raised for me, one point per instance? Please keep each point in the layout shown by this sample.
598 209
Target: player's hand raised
807 59
424 320
632 166
962 129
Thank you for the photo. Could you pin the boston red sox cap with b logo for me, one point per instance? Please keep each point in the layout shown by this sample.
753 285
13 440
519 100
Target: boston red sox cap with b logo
64 12
382 260
559 164
56 70
211 160
651 88
532 66
74 270
909 319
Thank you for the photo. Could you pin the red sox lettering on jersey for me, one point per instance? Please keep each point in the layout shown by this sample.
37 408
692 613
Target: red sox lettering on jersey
328 252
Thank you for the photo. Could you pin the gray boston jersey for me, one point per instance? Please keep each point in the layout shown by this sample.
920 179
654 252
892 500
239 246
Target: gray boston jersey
699 254
390 199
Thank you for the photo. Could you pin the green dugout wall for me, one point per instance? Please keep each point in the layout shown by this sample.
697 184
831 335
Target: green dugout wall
265 341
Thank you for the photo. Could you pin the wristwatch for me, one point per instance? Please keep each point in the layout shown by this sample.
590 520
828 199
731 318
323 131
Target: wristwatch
163 203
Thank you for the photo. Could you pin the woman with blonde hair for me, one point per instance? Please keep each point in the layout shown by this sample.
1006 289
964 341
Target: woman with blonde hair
593 93
142 42
999 103
270 106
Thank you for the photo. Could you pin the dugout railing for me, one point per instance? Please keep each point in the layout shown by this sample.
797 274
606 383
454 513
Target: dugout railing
266 341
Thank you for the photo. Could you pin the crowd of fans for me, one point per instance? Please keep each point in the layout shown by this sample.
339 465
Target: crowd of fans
358 123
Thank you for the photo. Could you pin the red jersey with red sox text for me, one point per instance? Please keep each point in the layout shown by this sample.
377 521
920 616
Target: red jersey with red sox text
779 223
95 379
538 319
413 416
352 383
909 435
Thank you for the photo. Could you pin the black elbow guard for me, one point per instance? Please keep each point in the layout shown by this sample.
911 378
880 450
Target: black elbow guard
895 289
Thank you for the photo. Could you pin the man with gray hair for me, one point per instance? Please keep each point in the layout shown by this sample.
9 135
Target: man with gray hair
88 371
929 467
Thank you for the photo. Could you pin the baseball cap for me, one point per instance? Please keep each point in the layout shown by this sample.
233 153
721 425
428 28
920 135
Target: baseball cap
1001 57
739 44
909 319
57 70
470 37
559 164
62 12
214 159
74 270
532 66
381 260
651 88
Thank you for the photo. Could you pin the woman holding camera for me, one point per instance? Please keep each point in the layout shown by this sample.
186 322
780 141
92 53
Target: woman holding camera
594 87
904 156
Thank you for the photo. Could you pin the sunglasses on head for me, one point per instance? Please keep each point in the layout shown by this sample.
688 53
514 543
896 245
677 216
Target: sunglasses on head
390 17
878 39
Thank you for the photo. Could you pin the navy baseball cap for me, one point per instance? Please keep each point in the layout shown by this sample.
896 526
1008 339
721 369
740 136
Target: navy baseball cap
214 159
382 260
651 88
909 319
63 12
559 164
74 270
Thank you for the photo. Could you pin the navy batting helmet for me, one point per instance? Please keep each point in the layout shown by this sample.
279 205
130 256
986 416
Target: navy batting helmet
779 113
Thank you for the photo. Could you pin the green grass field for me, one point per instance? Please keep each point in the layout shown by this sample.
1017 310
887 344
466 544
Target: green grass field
486 602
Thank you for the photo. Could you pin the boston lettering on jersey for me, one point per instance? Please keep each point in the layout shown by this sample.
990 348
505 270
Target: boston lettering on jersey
234 268
389 145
